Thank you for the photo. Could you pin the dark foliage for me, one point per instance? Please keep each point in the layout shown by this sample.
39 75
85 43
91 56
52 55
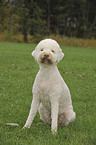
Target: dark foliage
70 18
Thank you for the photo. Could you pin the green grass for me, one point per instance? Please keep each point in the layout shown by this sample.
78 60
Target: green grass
17 73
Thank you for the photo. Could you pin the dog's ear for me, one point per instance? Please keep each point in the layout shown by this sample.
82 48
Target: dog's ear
34 53
61 55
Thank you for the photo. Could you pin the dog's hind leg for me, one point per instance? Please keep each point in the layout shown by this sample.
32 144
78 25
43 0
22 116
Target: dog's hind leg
66 117
44 114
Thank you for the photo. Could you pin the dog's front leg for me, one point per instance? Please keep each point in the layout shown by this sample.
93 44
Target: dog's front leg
33 111
54 115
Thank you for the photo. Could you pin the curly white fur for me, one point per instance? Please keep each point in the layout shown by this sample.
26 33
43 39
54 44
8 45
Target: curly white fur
51 96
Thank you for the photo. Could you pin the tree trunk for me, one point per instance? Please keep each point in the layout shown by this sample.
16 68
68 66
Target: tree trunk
90 32
25 29
10 24
25 38
48 16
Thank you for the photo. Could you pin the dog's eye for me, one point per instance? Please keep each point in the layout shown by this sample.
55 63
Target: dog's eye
41 49
53 51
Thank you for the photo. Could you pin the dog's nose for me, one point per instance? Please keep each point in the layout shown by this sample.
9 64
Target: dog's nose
46 55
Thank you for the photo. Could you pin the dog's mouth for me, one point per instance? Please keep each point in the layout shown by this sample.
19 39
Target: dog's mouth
46 60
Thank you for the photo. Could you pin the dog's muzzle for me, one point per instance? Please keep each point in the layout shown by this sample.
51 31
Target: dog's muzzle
46 59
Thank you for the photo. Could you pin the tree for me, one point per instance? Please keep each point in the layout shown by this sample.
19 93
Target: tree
69 18
29 16
4 15
76 18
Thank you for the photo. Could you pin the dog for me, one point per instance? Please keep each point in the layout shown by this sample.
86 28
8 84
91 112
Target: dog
51 96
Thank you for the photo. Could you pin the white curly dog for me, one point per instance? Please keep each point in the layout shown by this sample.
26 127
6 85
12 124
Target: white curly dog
51 96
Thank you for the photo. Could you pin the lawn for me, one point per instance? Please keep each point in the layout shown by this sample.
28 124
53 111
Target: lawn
17 73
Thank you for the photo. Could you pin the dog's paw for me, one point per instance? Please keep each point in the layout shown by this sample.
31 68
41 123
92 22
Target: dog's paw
26 126
54 131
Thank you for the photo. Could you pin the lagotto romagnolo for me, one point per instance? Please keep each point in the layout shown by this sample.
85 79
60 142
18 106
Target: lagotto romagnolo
51 96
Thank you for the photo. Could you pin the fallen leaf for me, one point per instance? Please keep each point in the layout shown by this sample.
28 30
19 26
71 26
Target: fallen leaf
13 124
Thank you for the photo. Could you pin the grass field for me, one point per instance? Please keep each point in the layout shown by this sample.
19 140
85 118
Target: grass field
17 73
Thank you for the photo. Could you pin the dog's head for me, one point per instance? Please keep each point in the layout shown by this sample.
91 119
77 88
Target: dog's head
48 52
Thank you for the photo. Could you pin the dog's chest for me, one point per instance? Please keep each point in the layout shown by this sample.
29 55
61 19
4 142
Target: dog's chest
44 89
45 83
45 86
44 95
